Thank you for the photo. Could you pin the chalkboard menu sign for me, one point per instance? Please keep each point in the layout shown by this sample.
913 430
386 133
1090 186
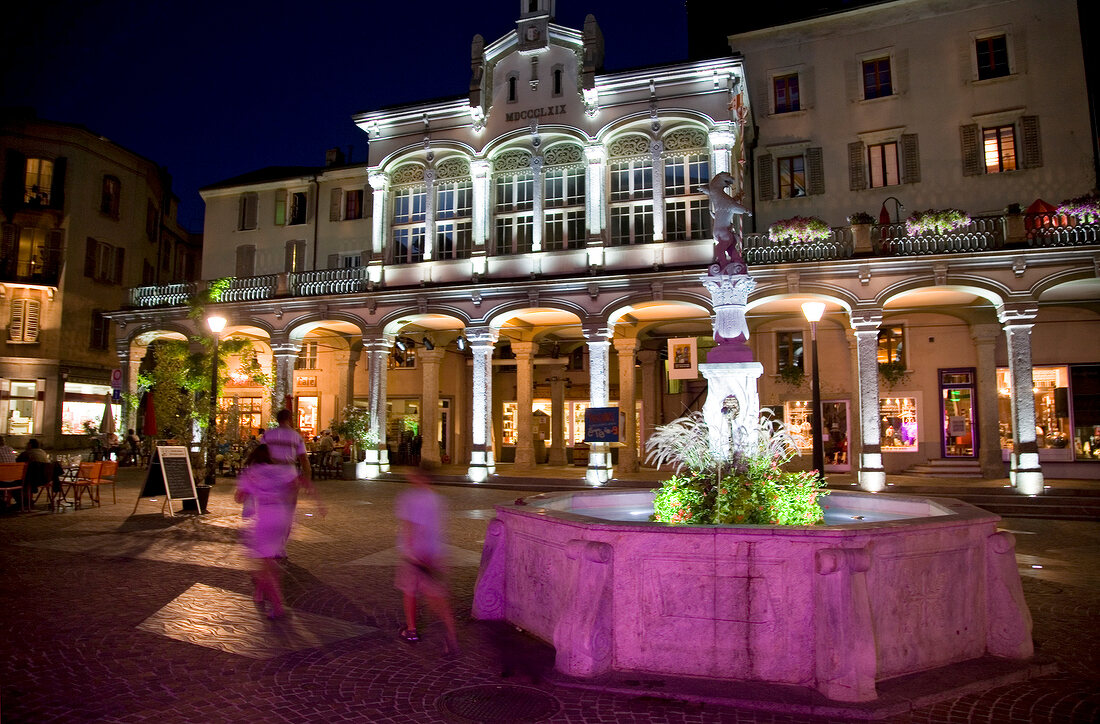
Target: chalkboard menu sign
170 474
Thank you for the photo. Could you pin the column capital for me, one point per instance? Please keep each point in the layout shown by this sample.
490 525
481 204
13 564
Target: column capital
122 350
285 349
721 139
626 345
648 356
524 349
983 334
596 153
482 336
480 167
379 180
865 319
597 332
1012 314
431 356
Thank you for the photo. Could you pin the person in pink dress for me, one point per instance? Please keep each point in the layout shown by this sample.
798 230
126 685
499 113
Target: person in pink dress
268 491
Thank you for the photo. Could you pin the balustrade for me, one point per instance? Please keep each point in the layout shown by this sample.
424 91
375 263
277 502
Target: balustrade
345 280
166 295
249 289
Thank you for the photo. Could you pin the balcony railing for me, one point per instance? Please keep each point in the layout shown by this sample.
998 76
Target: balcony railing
982 234
347 280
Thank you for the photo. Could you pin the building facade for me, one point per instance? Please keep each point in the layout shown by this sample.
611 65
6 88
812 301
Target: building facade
511 258
83 220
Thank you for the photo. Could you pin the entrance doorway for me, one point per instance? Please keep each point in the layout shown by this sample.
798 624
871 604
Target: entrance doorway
958 400
835 434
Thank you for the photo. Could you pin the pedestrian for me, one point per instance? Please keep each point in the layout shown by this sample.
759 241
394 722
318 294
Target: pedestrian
268 491
420 511
7 452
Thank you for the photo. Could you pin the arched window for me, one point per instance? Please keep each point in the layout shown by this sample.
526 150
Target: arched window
410 200
564 198
514 193
630 190
454 204
687 167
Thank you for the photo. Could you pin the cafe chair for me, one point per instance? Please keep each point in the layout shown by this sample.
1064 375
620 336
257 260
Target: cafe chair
107 477
87 479
39 479
12 476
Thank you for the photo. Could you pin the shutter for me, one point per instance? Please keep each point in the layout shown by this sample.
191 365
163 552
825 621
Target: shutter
97 328
815 171
765 183
300 255
857 170
120 265
336 199
1033 147
288 257
7 250
899 71
89 257
15 172
30 321
971 159
806 88
15 328
53 251
333 261
910 159
57 188
246 258
280 202
251 202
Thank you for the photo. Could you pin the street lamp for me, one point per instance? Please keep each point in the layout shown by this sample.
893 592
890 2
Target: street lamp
216 325
813 312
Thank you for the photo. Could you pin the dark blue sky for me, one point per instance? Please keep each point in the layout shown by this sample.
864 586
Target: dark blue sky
211 89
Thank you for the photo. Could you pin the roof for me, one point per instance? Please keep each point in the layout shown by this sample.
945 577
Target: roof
263 175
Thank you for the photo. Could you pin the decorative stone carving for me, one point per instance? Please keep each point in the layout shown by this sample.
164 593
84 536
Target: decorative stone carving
512 161
686 139
626 146
564 154
408 174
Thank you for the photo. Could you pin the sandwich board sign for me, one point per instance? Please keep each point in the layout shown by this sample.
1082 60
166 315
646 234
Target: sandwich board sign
170 475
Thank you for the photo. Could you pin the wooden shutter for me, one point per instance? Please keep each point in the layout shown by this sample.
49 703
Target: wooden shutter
90 248
54 239
910 159
30 320
971 158
300 255
857 169
765 182
249 203
57 185
15 325
1032 146
280 203
120 265
7 249
333 261
246 260
288 257
98 336
336 200
815 171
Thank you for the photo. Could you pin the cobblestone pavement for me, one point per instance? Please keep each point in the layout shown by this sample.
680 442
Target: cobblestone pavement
116 617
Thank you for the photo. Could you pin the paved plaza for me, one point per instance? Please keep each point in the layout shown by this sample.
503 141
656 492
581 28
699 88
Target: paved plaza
120 615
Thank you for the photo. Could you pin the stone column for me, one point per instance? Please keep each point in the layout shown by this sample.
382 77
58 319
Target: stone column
866 323
354 354
655 149
480 171
556 454
626 348
430 360
1026 473
378 353
721 142
525 443
482 464
129 383
651 381
285 354
595 182
599 457
380 184
989 436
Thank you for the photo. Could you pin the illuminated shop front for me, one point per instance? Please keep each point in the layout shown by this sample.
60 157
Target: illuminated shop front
836 430
82 409
898 423
1067 411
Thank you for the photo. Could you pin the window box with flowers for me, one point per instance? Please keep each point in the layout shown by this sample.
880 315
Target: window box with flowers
860 223
799 230
1086 208
936 221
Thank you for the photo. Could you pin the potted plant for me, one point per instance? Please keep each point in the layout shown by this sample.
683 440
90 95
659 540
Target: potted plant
798 230
860 223
355 425
1085 209
792 375
935 221
893 373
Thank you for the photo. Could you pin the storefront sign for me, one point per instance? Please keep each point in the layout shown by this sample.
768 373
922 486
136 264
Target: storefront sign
601 424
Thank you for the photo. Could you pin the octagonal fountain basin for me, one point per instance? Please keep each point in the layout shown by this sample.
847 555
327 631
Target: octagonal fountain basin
891 585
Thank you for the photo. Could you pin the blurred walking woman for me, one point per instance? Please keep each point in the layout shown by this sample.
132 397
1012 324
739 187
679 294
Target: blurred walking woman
269 493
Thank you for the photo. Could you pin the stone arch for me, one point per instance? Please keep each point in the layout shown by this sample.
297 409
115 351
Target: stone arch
509 309
1059 278
299 327
994 292
417 153
636 122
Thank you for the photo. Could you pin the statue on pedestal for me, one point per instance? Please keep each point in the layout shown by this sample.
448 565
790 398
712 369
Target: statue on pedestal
724 209
727 278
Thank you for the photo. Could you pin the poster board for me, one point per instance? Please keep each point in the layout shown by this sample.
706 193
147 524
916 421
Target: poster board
601 424
170 474
683 358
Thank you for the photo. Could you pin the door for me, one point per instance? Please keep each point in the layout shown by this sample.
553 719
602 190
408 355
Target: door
835 434
958 413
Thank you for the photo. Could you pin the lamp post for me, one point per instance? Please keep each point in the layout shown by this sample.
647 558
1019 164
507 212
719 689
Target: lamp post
216 325
813 312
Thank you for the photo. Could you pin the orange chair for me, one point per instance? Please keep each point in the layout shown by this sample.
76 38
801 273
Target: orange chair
107 477
12 476
87 479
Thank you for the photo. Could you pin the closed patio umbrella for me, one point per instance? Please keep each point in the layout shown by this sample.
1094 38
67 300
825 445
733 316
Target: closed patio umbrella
107 424
149 421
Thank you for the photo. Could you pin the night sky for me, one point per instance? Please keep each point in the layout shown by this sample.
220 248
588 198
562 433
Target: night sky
211 90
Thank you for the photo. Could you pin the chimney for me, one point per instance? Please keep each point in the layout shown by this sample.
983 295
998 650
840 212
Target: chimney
334 157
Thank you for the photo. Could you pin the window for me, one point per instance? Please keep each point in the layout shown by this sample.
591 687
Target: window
876 78
38 181
512 80
298 204
36 255
409 205
246 211
786 93
687 211
898 424
108 198
999 147
19 415
307 357
515 201
557 74
792 176
280 207
788 350
891 345
353 204
103 262
23 325
351 261
631 195
992 54
240 412
403 358
246 260
101 330
563 201
882 163
83 405
295 256
454 208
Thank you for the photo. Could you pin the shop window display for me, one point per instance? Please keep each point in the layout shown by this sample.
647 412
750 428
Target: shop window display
1050 386
898 424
